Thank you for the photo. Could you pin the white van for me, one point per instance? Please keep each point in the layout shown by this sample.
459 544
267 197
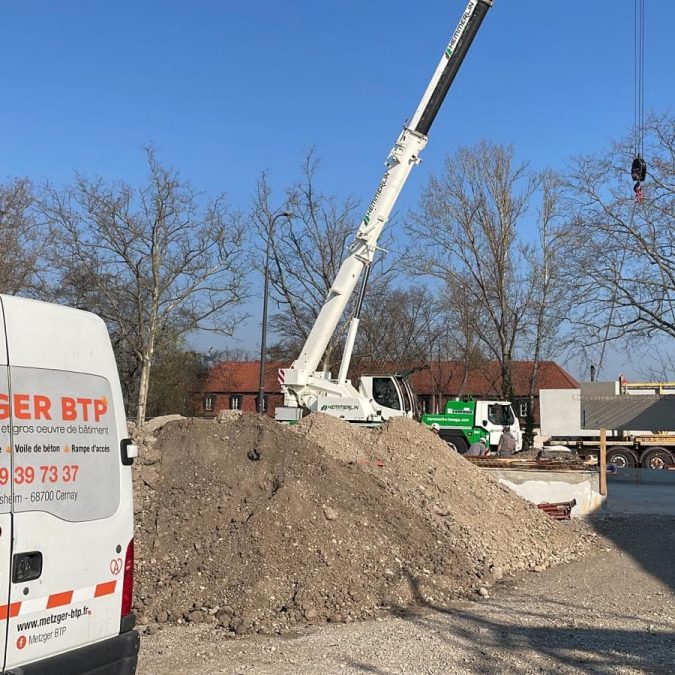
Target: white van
66 514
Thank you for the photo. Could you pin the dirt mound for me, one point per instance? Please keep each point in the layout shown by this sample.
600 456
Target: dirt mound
259 527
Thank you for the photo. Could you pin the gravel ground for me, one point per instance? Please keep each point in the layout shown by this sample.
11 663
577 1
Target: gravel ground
611 612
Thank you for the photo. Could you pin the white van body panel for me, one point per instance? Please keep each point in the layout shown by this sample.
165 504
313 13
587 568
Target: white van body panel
70 493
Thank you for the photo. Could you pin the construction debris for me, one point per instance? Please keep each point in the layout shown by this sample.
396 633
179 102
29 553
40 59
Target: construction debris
261 527
558 510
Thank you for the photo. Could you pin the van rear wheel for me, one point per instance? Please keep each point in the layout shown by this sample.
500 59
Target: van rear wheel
657 458
624 458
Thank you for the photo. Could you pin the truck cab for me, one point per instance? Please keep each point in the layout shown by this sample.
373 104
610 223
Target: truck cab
465 421
392 395
378 399
494 416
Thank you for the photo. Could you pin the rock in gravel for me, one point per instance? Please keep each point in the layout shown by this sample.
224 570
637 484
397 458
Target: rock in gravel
226 416
196 616
329 522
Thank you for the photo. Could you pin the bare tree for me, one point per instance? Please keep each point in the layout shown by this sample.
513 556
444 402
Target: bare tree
469 220
306 253
622 251
416 329
153 261
22 239
551 286
458 317
177 375
398 325
450 337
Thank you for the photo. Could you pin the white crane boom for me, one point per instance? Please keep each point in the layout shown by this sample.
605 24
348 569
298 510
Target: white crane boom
302 386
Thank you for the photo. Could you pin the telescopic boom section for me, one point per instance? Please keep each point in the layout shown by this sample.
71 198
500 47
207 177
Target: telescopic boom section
401 159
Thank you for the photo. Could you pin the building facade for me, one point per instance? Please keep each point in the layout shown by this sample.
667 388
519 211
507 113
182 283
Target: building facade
233 385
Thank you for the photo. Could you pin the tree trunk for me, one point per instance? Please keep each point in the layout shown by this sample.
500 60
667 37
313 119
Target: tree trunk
143 391
145 376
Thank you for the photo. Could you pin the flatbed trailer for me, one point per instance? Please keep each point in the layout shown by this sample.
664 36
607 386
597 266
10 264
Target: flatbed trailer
651 452
572 418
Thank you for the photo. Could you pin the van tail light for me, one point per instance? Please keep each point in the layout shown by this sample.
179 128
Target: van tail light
128 583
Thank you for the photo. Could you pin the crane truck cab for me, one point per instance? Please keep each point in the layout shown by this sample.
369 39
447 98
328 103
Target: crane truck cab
378 399
392 395
466 421
66 513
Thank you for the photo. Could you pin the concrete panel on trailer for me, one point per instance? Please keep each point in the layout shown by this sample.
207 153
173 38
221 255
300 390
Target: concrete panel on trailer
560 412
627 412
554 486
599 388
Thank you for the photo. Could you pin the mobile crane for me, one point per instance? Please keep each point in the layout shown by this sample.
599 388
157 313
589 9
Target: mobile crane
378 397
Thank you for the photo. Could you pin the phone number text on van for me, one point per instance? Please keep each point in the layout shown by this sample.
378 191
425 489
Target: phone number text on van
41 474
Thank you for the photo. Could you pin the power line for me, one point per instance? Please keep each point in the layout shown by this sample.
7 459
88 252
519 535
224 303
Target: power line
639 166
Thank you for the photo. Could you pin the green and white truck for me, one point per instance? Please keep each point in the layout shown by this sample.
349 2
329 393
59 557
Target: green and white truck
466 421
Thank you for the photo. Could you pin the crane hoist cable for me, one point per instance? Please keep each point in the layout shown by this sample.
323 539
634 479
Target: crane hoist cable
638 170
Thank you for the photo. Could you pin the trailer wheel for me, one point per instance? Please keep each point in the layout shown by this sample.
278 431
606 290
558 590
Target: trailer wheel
624 458
457 443
657 458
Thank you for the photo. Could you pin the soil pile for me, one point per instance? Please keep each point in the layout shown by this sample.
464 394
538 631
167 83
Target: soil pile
259 526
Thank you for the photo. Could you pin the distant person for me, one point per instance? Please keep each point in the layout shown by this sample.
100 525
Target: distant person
478 449
507 443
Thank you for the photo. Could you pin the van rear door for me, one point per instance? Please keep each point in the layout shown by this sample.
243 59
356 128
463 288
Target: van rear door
71 527
5 490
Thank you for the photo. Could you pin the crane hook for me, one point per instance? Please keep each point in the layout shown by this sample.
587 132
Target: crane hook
638 172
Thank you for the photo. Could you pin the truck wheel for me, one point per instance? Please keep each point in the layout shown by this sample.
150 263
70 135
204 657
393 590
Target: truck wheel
458 442
624 458
657 458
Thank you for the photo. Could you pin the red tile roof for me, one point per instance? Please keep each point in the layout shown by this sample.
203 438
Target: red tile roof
242 377
443 377
447 378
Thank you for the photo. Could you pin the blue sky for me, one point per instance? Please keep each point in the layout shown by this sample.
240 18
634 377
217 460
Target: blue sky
227 89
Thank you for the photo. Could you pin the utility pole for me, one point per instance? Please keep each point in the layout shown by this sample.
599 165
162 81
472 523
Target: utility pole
263 337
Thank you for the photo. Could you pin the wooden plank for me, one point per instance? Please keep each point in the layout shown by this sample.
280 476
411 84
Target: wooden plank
603 462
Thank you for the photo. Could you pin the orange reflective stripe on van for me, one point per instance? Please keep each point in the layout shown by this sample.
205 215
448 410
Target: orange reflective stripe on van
57 600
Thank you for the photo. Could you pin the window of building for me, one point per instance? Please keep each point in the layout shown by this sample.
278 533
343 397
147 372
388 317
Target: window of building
235 402
209 401
264 403
523 408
